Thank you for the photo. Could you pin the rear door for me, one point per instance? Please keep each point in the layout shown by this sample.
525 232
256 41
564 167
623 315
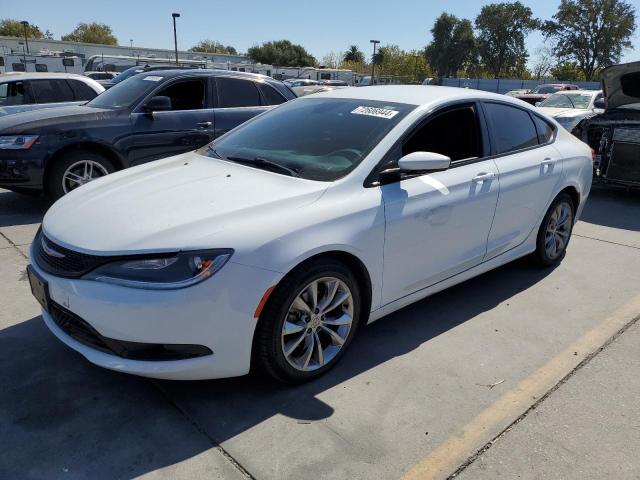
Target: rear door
186 127
51 92
238 100
530 169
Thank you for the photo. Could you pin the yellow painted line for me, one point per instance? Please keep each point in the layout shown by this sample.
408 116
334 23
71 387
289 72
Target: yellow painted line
447 457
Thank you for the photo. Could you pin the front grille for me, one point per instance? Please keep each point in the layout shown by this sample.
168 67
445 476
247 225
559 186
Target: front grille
57 260
80 330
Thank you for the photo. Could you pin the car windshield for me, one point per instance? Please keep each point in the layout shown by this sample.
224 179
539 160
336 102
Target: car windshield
568 100
545 89
129 72
125 95
314 138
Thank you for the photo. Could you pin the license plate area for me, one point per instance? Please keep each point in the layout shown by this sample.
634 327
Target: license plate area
39 288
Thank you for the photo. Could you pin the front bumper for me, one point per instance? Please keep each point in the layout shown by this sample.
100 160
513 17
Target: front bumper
22 168
217 313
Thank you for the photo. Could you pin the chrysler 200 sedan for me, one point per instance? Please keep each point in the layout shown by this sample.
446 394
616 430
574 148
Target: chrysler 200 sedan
273 245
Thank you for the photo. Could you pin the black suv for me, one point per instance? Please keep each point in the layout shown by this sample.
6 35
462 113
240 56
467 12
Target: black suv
149 116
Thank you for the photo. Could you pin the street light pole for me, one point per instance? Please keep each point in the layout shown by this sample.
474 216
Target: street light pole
25 24
175 36
373 59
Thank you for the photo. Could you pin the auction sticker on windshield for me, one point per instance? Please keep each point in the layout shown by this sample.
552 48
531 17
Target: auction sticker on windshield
375 112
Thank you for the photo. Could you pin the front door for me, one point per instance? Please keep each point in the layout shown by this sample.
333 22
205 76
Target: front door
437 224
187 126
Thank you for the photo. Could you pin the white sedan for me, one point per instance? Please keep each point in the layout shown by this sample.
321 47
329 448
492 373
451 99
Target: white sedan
569 107
270 247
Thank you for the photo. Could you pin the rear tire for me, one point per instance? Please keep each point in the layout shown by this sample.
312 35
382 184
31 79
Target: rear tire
73 170
555 232
299 338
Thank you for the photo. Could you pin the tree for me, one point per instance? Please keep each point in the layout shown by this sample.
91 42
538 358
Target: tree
452 45
354 55
213 46
567 72
591 33
502 28
332 60
542 63
282 53
13 28
394 61
48 35
92 33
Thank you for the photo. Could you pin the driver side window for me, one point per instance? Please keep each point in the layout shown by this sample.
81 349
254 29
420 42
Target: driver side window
185 95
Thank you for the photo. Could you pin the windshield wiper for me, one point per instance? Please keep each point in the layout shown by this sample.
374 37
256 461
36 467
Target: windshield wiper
263 162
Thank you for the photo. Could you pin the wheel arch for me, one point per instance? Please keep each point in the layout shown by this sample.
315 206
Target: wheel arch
573 192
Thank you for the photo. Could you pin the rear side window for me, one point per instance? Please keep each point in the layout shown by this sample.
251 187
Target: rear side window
51 91
12 93
234 92
81 90
271 96
511 128
545 131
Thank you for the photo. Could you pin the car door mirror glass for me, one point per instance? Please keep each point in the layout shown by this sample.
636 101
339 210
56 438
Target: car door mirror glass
424 161
158 104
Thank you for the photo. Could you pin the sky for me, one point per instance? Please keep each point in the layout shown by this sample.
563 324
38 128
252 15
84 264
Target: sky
320 26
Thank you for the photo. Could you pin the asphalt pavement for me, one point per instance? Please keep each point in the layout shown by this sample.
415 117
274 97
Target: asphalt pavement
519 373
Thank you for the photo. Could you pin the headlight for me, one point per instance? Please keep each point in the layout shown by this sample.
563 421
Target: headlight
17 142
162 273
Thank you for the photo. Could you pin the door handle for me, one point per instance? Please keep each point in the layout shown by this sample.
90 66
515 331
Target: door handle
481 177
548 161
203 124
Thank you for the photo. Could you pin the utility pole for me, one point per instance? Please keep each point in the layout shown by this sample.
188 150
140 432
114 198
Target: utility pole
175 36
25 24
373 59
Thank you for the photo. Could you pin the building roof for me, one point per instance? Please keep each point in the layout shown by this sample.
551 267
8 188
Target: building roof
40 76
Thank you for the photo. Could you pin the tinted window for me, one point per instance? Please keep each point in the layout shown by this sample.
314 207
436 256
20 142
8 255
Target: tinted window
50 91
12 93
511 128
41 67
18 67
185 95
321 139
453 133
545 131
233 92
81 90
271 96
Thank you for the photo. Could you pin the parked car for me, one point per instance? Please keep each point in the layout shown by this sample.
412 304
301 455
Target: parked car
515 93
272 245
130 72
615 134
542 92
300 82
101 75
23 92
309 89
333 83
572 106
153 115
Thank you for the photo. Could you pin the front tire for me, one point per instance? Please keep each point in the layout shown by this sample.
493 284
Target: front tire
308 322
555 232
74 170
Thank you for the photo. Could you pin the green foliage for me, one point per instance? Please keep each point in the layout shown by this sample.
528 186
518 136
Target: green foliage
502 28
567 72
354 55
591 34
394 61
92 33
213 46
452 46
13 28
282 53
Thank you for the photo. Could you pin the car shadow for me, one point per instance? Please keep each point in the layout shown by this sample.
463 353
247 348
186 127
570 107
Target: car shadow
19 209
612 207
62 416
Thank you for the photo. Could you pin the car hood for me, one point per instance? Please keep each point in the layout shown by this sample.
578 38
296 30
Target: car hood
24 122
563 112
179 203
621 84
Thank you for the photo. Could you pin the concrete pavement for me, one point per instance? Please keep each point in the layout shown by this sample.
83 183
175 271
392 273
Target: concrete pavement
410 383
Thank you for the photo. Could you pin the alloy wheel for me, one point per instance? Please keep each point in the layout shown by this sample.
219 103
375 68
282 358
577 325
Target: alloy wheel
317 324
81 172
558 230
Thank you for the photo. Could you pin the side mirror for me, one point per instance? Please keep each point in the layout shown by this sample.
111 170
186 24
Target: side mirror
537 104
424 161
158 104
599 103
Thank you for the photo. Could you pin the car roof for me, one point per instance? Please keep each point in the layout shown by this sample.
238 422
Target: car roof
415 94
40 75
583 91
169 73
